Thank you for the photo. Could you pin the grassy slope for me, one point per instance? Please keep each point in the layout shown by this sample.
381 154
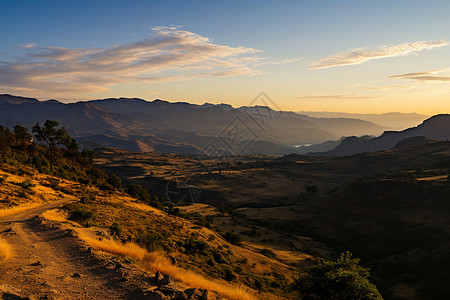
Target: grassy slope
148 227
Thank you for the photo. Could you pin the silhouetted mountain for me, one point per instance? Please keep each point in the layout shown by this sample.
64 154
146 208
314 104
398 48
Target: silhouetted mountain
16 100
436 127
79 118
414 141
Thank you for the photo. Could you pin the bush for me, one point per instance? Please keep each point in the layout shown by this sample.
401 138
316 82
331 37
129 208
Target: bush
88 198
340 279
3 179
195 246
114 181
26 184
267 252
311 188
81 214
232 238
137 191
229 275
22 194
54 183
151 240
115 229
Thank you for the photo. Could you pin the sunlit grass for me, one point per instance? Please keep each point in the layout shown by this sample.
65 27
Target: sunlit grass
5 250
18 209
54 215
156 261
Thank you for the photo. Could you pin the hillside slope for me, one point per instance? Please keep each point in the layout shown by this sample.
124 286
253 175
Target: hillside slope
44 251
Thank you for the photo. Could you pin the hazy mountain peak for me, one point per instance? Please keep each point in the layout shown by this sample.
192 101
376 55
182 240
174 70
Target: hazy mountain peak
224 106
16 100
54 101
436 127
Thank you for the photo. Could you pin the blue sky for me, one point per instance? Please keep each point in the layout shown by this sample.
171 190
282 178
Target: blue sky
354 56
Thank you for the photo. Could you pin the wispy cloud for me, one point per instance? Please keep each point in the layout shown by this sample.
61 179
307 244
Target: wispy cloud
336 97
387 87
287 61
168 54
424 76
361 55
29 45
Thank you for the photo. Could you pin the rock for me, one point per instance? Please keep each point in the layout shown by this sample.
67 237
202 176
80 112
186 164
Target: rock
38 263
10 293
168 291
76 275
199 294
173 260
7 230
158 277
209 295
164 281
71 232
193 293
155 296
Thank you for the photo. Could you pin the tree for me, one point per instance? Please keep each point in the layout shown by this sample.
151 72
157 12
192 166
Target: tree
114 181
51 136
22 135
341 279
6 139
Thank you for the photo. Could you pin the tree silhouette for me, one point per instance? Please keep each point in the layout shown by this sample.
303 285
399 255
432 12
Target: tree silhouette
51 136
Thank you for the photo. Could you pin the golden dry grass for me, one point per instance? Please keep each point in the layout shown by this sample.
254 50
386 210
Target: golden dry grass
156 261
437 177
18 209
141 206
5 250
54 215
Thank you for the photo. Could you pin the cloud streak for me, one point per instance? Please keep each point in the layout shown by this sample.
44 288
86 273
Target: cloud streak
169 54
423 76
361 55
335 97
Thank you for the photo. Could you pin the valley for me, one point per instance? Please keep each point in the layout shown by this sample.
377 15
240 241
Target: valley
390 207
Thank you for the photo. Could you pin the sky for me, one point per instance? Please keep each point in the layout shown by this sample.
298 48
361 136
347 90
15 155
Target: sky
343 56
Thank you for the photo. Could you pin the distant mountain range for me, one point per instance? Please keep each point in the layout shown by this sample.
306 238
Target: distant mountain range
392 120
161 126
436 127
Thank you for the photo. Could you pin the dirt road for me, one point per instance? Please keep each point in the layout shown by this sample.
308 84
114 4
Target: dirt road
49 262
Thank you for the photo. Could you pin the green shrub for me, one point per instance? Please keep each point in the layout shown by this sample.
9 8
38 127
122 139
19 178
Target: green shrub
195 246
151 240
81 214
88 198
232 238
267 252
114 181
339 279
26 184
22 194
115 229
3 178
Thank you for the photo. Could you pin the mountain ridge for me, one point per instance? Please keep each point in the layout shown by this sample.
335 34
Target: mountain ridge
436 127
161 124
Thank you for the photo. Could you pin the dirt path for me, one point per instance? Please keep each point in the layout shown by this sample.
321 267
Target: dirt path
49 262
